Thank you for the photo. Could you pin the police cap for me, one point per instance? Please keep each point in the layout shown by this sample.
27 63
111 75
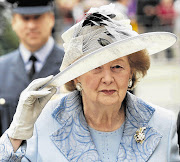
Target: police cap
31 7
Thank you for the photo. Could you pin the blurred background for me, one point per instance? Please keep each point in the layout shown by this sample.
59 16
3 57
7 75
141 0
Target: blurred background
161 86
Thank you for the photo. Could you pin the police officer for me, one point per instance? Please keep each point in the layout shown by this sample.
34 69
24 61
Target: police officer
37 56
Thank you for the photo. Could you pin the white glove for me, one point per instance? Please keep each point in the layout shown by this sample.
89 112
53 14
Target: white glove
29 107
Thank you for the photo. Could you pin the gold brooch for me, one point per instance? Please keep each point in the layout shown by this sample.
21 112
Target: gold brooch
140 136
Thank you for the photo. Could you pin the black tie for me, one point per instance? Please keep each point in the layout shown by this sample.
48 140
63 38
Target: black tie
32 71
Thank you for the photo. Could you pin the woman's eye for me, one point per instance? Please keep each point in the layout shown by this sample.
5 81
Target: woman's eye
97 70
116 68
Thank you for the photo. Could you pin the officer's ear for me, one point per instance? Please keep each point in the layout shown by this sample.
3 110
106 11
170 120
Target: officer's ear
52 17
13 22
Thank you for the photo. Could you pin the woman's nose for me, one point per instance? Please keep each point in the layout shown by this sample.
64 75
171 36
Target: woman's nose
107 77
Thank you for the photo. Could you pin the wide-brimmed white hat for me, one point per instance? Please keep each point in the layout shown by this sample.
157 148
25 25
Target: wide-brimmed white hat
103 36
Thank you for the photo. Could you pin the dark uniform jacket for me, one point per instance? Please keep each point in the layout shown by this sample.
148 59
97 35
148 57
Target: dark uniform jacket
14 79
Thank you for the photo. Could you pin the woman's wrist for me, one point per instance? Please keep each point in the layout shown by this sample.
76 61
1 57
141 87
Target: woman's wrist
16 143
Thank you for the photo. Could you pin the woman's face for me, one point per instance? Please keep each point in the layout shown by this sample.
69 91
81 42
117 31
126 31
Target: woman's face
107 84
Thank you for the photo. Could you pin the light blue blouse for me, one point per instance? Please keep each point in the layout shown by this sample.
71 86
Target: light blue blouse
107 143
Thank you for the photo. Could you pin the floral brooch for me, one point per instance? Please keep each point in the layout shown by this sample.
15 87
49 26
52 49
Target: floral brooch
140 136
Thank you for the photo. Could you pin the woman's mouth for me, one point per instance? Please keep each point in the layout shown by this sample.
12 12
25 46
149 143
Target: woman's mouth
108 92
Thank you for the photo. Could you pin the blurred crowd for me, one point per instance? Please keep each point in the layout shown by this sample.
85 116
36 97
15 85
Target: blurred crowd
145 15
150 14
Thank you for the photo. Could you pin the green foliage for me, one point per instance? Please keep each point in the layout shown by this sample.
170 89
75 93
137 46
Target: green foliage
8 39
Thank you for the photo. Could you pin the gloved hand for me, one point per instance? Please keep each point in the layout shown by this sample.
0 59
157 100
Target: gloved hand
29 107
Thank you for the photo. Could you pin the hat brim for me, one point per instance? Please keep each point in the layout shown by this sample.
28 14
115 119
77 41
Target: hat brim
153 42
35 10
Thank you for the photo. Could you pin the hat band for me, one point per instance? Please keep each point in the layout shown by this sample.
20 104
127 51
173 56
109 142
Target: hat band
32 10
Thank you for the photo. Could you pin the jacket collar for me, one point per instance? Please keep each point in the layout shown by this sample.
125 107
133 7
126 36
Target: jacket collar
18 68
52 64
138 114
50 67
74 141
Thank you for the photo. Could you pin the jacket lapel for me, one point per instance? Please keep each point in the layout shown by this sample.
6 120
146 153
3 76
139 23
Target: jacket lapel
73 138
52 64
138 114
18 68
74 141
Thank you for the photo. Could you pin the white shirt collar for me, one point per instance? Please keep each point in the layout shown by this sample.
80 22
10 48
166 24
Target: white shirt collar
41 54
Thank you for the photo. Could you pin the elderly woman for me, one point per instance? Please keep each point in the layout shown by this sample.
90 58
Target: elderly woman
99 120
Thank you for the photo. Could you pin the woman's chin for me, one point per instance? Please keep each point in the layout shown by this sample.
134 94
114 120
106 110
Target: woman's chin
109 102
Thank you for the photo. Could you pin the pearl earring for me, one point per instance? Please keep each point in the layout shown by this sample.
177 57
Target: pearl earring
130 83
79 86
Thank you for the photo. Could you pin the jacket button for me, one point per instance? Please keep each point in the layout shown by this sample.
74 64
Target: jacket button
2 101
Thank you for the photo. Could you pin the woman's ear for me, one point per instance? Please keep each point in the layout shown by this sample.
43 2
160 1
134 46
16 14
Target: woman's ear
76 80
131 73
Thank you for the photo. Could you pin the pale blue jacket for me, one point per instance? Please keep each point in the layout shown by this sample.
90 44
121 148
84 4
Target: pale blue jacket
61 134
